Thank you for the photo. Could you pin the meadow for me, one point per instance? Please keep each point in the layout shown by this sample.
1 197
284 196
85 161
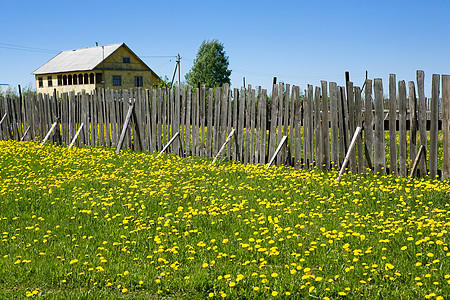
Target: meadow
87 223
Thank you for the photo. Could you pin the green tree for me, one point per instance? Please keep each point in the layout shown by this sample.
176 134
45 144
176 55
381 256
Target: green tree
210 66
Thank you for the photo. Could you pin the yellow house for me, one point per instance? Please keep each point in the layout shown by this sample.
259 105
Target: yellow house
112 66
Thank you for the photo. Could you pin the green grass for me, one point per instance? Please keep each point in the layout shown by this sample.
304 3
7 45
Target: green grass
87 223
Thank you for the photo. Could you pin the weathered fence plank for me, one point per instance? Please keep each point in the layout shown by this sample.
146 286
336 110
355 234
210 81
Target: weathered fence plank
368 124
434 126
422 114
273 121
325 127
412 121
262 149
402 127
392 125
446 126
379 150
358 123
334 130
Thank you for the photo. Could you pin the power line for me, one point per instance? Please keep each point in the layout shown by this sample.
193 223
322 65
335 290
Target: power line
157 56
26 48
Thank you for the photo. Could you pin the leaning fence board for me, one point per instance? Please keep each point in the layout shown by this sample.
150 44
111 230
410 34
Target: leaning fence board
49 133
282 142
416 160
125 127
402 126
446 126
422 116
350 150
25 134
433 156
168 144
76 136
379 151
223 146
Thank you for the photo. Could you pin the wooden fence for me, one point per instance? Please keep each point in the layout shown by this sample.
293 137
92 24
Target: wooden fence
318 123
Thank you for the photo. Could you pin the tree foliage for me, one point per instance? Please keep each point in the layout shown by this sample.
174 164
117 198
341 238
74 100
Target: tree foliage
210 65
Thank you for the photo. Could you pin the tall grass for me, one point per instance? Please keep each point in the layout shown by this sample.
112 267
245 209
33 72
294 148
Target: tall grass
87 223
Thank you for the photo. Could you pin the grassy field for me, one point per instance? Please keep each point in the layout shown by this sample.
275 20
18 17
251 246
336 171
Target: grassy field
87 223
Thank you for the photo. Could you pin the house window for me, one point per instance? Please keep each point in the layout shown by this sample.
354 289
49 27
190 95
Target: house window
86 78
74 78
41 82
126 60
69 79
80 78
49 80
117 80
138 81
91 78
65 80
59 80
98 78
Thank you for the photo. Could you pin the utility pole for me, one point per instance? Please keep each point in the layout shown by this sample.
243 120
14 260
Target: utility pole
177 66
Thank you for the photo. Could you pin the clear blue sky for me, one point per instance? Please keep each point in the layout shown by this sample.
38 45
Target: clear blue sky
299 42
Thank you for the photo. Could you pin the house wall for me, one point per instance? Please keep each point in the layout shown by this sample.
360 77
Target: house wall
67 87
114 65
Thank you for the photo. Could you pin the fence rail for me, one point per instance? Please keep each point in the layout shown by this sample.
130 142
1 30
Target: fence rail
318 123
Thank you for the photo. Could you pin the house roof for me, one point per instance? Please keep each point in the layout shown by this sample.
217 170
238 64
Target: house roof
78 60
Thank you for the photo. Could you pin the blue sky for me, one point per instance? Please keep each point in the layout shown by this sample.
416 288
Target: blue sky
299 42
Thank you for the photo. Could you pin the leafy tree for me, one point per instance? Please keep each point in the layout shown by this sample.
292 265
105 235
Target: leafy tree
165 82
210 66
